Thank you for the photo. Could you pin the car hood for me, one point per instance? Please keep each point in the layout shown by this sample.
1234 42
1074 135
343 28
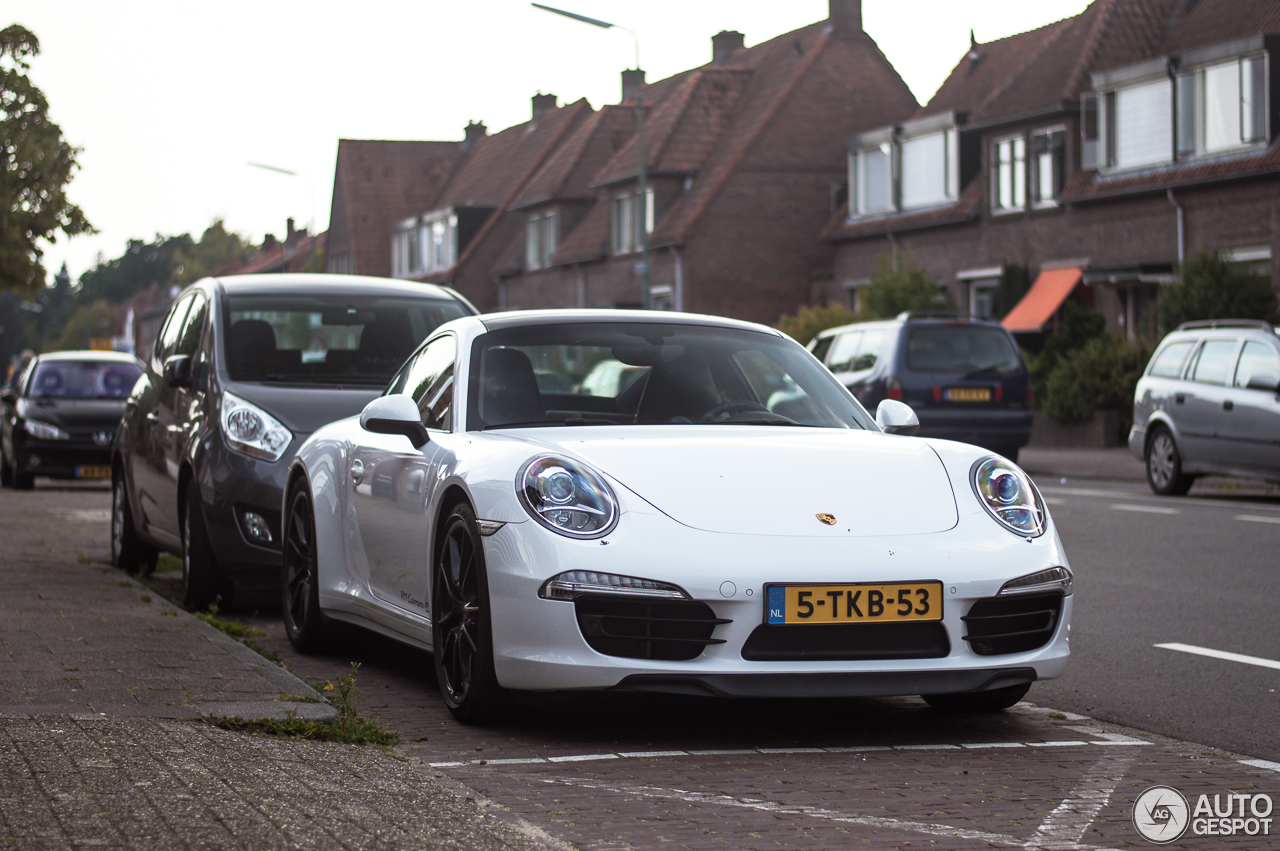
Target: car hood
302 410
74 414
762 480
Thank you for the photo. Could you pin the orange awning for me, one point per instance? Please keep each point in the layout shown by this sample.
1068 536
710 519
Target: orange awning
1044 298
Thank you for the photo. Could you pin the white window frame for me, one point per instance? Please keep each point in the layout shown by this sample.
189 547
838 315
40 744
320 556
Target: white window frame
857 181
1196 79
1017 172
1033 166
624 220
950 169
541 239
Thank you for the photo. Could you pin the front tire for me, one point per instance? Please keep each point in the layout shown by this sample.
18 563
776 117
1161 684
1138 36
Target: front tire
128 551
978 701
461 625
300 577
18 479
6 473
1164 465
200 575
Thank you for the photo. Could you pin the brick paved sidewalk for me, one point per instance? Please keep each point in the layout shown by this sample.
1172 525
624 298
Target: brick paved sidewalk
101 688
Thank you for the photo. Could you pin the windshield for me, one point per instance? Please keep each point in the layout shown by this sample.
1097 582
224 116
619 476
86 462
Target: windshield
339 339
968 349
83 379
650 374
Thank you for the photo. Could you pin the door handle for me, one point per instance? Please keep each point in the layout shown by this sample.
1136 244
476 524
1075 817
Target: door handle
1228 405
1180 398
357 471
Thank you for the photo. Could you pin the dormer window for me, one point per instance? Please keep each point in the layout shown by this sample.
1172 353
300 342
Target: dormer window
1222 106
626 221
1009 174
904 168
871 176
929 173
423 244
541 240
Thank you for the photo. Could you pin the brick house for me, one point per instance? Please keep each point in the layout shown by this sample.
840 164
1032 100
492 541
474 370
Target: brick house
1098 151
744 155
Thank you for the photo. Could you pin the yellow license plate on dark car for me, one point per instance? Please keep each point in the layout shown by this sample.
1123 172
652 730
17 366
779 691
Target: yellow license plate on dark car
92 471
856 603
968 394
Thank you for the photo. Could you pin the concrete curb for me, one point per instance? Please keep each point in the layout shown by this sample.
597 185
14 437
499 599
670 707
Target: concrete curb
319 711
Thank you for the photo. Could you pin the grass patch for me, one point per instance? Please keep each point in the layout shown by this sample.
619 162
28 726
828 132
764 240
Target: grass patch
350 728
238 631
298 698
168 564
1057 716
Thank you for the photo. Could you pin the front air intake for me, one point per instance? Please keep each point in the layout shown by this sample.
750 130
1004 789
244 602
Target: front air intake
636 628
1012 624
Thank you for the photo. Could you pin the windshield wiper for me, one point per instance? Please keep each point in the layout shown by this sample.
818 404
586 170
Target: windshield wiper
576 421
782 422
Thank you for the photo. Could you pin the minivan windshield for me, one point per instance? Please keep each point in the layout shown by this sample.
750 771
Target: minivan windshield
83 379
327 339
607 373
967 349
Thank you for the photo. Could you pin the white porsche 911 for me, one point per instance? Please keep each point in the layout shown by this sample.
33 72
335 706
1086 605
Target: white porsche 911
729 522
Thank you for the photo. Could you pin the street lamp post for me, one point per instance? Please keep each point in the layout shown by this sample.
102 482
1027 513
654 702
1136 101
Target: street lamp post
311 190
643 266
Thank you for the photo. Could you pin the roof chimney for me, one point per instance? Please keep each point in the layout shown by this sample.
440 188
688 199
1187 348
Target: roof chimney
474 130
288 230
632 79
541 103
845 16
724 44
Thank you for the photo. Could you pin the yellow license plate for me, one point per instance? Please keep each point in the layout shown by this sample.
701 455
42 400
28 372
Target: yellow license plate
859 603
968 394
92 471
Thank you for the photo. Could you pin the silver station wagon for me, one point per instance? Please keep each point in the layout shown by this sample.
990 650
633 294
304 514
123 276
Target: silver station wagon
1209 402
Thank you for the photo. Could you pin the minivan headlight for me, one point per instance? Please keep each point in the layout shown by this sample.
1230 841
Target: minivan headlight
567 497
45 431
251 430
1009 496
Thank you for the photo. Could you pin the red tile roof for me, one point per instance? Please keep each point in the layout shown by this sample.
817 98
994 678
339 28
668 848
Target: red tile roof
1090 185
568 173
589 240
968 208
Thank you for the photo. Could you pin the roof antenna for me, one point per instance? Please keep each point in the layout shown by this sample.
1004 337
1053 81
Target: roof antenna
973 47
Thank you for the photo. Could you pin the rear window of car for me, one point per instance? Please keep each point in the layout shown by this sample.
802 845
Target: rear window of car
83 379
960 349
1168 363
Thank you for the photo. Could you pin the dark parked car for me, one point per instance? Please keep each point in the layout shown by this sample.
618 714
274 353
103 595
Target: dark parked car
1209 402
244 368
964 377
61 416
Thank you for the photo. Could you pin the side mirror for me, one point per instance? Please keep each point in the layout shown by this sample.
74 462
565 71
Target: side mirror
395 414
894 417
1263 382
177 371
9 397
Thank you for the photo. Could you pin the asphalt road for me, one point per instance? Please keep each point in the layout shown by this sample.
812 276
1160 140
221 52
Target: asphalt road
1199 570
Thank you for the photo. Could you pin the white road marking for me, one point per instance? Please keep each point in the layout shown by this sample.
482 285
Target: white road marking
1254 518
1070 819
1145 509
1262 763
1221 654
1055 501
1083 799
1101 739
83 515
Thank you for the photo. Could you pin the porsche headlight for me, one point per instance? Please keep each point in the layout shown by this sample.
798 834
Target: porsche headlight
251 430
45 431
567 497
1008 495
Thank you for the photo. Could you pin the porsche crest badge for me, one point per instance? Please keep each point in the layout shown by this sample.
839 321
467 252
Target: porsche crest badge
829 519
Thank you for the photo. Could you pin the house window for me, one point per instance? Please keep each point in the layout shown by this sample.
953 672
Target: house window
1048 160
626 221
425 244
1009 174
871 176
406 249
1139 125
928 172
541 240
1222 106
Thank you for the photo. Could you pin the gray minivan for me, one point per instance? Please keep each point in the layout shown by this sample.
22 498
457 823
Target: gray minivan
1209 403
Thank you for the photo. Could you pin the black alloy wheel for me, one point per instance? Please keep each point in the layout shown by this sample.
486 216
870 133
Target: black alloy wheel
19 479
978 701
461 629
6 472
200 575
128 552
300 577
1164 465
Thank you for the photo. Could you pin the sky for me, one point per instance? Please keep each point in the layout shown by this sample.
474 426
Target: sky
171 101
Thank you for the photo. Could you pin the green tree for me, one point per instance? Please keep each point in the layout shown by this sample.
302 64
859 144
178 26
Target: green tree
1080 325
1015 280
96 320
900 285
1209 286
141 265
35 167
1099 375
217 246
807 322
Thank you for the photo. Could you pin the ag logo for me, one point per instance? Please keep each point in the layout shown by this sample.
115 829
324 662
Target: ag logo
1161 814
